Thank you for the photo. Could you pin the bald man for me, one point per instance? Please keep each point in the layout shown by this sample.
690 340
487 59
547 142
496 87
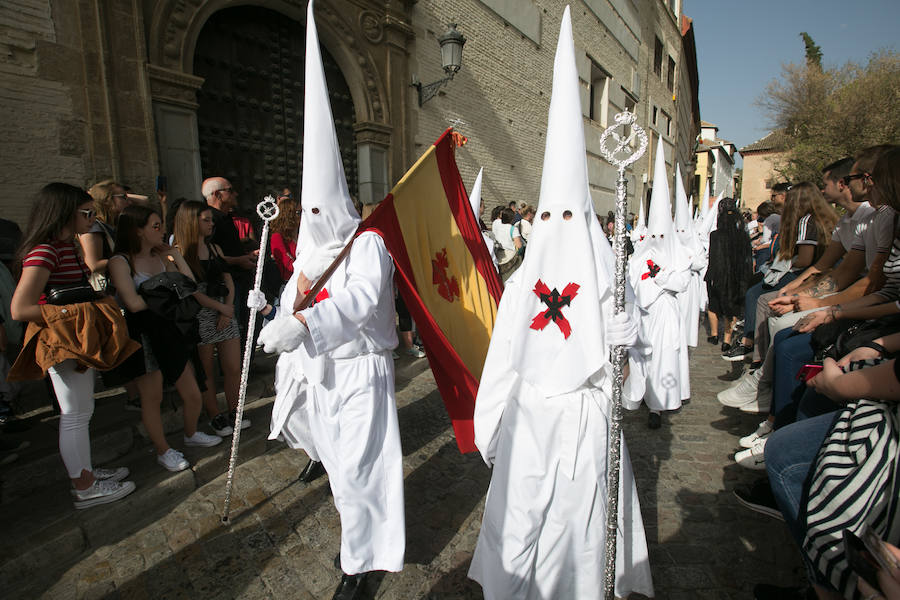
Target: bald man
222 198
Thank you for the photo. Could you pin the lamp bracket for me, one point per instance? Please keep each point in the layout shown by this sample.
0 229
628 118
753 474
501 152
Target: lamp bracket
427 91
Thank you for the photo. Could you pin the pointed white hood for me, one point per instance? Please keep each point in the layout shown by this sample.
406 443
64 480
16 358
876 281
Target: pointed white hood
684 225
660 248
640 229
475 196
710 223
329 218
556 331
659 221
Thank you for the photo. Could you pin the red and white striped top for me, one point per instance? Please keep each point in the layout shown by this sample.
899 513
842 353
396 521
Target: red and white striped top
61 259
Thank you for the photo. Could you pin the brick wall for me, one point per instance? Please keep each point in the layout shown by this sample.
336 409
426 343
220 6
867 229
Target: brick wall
501 96
74 96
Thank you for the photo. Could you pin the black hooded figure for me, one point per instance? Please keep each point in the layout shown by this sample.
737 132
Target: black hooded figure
730 265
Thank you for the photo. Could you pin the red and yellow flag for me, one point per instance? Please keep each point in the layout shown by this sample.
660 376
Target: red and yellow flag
444 274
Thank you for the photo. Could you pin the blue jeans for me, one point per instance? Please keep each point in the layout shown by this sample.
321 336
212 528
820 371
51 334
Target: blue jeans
752 297
812 404
790 453
792 351
762 258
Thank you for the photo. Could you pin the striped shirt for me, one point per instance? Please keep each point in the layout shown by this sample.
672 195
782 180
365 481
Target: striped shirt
61 259
891 270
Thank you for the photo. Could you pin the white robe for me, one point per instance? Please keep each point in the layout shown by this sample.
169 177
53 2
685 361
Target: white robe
668 368
544 528
348 415
689 300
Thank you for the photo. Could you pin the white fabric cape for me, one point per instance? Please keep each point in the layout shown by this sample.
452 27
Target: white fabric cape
543 532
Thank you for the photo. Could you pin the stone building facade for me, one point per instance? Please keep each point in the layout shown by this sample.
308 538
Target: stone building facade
135 89
715 163
761 159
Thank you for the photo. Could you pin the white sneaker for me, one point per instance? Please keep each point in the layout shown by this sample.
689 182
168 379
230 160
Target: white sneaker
102 492
761 433
173 460
203 440
753 458
117 474
743 392
760 404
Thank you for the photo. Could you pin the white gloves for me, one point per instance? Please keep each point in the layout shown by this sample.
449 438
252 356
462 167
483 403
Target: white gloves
662 277
283 334
621 330
256 300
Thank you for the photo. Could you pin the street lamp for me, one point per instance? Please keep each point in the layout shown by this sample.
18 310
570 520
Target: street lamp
452 43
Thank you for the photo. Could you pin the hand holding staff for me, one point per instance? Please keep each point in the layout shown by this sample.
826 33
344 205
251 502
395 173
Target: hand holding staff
267 211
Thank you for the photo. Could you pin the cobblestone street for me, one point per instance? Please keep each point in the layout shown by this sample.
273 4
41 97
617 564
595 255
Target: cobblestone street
283 535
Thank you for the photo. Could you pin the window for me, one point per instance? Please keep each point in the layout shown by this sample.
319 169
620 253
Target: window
657 57
666 124
599 94
655 115
630 106
670 76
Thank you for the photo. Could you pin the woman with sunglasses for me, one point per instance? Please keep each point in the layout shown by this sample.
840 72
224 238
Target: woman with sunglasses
142 255
98 244
218 329
49 259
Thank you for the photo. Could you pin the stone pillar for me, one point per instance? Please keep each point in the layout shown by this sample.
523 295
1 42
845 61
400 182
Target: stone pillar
175 113
373 146
398 33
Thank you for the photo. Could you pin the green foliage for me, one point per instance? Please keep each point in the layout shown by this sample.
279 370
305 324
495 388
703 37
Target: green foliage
813 51
826 114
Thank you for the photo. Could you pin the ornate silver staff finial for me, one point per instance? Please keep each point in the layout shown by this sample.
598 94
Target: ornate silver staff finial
620 157
267 211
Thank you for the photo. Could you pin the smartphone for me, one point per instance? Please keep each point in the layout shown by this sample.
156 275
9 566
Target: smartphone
861 560
162 183
807 372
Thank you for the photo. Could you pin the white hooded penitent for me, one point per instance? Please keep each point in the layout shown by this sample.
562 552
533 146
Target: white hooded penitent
475 201
541 416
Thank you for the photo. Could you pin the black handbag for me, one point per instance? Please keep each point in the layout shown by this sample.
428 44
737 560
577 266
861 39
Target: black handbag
72 294
848 337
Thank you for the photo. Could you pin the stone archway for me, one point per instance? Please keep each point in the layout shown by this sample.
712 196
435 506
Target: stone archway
368 43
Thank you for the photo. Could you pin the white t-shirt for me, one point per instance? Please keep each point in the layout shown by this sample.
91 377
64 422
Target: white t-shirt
504 234
851 225
525 227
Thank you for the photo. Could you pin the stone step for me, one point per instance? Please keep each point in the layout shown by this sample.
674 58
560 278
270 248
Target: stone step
44 534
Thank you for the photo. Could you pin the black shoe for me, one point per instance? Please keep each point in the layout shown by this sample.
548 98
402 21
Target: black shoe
654 421
737 352
764 591
350 587
337 561
713 339
760 499
220 426
726 346
313 470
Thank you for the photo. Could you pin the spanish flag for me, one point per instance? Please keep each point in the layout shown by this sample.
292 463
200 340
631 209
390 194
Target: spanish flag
444 274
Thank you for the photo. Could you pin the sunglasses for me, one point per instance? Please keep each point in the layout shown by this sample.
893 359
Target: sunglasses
848 178
88 213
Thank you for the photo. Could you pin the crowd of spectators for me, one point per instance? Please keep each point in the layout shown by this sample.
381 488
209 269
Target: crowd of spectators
821 328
